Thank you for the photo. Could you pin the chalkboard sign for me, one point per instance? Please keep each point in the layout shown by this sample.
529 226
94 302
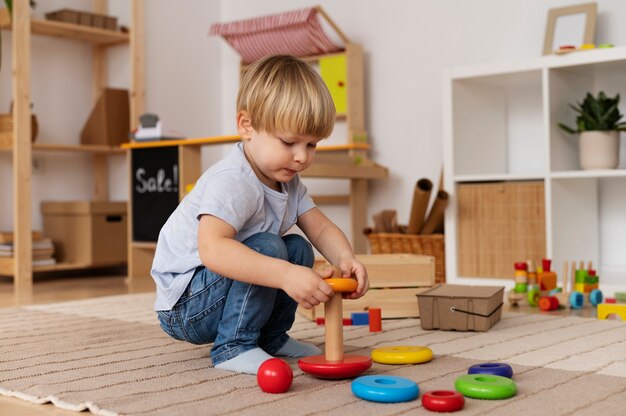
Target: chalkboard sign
155 190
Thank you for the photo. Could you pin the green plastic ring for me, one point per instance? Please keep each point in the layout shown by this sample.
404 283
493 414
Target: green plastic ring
485 386
533 296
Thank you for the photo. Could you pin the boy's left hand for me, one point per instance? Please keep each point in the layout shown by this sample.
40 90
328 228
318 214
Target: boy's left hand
352 267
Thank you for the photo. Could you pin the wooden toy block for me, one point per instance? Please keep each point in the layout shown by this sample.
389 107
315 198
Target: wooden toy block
606 309
395 280
360 318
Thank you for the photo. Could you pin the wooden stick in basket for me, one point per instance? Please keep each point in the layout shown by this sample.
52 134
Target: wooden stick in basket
435 218
421 197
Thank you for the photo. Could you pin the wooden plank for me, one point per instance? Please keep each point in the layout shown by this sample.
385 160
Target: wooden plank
355 89
129 220
394 270
331 199
190 166
22 199
183 142
351 171
358 214
84 148
100 177
7 266
394 303
137 64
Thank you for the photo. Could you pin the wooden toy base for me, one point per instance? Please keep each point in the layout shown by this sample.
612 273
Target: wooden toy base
350 366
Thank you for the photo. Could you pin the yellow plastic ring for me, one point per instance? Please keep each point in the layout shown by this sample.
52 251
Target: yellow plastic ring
402 355
342 284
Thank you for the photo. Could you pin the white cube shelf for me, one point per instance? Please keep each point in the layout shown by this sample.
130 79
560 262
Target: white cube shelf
501 124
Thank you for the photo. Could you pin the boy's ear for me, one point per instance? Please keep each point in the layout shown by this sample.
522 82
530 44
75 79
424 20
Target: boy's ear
244 125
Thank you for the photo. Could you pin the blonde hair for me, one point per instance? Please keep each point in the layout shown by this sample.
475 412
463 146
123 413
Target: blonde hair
283 94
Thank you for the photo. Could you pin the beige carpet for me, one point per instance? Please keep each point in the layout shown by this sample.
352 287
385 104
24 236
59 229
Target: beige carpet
109 356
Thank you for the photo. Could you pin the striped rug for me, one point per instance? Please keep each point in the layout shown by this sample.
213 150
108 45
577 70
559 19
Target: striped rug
109 356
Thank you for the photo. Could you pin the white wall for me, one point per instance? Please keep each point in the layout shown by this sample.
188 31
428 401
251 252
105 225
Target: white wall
192 80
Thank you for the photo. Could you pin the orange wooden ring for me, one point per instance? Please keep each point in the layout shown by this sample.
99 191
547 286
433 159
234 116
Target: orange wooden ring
342 284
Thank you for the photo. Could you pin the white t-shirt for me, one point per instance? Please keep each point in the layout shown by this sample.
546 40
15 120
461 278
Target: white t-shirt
231 191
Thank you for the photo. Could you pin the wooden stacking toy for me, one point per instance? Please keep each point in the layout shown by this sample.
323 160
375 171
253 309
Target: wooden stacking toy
334 364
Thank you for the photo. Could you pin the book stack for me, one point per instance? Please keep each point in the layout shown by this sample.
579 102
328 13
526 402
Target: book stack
43 249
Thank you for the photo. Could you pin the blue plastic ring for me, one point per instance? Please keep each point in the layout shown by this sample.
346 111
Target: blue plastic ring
385 389
496 369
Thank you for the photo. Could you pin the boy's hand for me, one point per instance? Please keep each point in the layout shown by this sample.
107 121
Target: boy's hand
352 267
307 287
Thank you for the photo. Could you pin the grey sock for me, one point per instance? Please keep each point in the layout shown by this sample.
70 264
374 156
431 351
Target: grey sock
296 349
247 362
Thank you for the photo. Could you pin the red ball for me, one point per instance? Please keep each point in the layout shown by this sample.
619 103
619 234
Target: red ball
274 376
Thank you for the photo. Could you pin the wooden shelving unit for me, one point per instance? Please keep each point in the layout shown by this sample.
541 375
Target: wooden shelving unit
501 127
95 36
23 27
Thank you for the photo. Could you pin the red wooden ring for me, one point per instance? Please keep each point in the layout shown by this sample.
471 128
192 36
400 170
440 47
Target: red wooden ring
350 366
443 401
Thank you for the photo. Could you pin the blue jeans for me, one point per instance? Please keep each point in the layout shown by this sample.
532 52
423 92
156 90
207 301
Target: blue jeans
234 315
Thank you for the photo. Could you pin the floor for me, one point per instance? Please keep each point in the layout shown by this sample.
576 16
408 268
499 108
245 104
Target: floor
58 288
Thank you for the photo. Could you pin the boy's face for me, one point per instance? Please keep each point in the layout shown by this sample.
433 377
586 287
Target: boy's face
275 157
279 157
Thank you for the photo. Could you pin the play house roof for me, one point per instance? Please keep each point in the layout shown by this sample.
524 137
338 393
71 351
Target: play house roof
297 32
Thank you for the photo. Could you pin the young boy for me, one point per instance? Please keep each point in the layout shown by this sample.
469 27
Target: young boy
225 270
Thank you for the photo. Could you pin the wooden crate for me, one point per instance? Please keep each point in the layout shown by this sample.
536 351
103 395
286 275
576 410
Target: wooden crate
395 280
499 224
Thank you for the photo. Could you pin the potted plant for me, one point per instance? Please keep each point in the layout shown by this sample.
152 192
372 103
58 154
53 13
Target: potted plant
598 123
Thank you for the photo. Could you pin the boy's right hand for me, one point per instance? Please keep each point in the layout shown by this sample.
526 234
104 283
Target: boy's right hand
307 287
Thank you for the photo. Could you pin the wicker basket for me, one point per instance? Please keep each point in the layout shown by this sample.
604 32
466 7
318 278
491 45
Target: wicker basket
427 244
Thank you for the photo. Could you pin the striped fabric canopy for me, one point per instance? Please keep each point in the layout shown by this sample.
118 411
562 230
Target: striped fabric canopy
297 32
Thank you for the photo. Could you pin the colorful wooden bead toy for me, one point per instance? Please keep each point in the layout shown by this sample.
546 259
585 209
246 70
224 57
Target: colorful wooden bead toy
485 386
274 376
443 401
402 355
606 309
496 369
375 319
334 363
385 389
360 318
548 303
576 300
595 297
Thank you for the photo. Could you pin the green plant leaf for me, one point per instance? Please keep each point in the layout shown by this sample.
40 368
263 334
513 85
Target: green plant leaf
597 113
567 128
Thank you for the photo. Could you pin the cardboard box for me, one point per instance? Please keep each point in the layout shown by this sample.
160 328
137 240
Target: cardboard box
93 233
460 307
395 280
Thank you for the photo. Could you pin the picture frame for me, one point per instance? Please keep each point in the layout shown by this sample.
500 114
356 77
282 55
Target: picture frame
570 25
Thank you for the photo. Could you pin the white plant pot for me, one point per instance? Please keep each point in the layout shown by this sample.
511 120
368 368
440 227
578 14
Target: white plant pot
599 149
